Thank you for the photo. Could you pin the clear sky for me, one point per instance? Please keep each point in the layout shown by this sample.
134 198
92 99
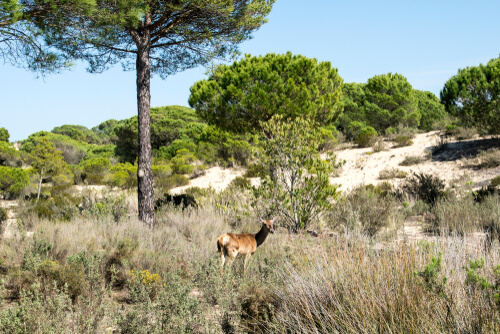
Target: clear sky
426 41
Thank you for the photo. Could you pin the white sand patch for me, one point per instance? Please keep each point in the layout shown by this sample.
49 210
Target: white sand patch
215 177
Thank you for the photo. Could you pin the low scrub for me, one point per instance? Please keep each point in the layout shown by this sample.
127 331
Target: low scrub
397 291
425 187
366 209
489 158
463 214
392 173
379 146
401 141
411 160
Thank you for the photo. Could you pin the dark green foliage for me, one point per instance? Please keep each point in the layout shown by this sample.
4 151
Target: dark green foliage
9 156
353 99
390 100
386 101
106 131
101 151
430 109
167 125
353 129
240 182
426 187
366 136
78 132
72 150
124 175
95 170
13 181
430 276
473 95
238 97
4 135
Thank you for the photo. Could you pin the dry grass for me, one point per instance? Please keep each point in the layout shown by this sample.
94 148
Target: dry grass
351 289
294 283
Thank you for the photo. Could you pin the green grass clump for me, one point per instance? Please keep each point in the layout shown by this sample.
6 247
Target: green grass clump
401 141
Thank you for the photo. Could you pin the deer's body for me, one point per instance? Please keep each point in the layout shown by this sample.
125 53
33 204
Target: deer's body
231 244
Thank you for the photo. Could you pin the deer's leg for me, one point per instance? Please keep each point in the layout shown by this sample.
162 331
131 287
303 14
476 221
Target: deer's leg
247 257
223 259
232 256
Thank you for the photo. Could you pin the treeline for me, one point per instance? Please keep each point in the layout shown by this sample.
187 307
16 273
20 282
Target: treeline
226 124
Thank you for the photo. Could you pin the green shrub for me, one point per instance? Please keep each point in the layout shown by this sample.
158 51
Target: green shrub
353 129
181 163
426 187
328 138
366 136
142 283
256 170
124 175
13 181
401 141
177 145
73 151
172 181
390 131
240 182
68 277
420 207
366 209
4 135
78 132
95 170
60 207
107 206
9 156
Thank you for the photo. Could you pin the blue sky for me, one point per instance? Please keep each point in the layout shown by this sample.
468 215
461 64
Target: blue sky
426 41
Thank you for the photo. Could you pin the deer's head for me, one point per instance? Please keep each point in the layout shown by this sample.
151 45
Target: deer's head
269 224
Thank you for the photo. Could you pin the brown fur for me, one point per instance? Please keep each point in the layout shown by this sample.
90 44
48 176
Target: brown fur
230 244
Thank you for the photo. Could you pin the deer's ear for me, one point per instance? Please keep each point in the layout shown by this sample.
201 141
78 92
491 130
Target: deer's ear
262 220
274 219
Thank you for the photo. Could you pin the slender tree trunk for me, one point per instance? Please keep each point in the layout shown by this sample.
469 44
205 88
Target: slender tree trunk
39 185
144 170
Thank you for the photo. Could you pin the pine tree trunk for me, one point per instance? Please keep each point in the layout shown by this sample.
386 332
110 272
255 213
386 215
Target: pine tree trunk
144 170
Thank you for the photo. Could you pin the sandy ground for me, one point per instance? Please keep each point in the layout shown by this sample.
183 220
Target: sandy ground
215 177
363 167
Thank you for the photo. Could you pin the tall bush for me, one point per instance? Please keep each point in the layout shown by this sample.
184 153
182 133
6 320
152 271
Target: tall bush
298 188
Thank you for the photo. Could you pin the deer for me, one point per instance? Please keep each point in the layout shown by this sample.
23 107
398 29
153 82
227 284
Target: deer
231 245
